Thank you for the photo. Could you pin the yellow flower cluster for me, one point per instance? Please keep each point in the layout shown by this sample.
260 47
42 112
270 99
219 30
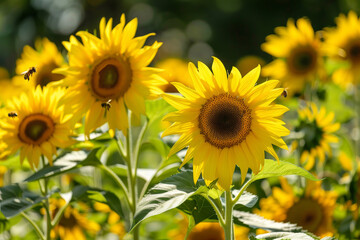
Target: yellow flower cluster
300 52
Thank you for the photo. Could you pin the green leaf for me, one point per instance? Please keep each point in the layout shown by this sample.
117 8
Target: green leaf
68 162
144 173
98 195
168 194
199 208
7 224
246 199
13 200
276 169
255 221
155 111
168 166
285 236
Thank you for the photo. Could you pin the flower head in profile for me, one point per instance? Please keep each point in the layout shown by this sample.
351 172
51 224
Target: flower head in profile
44 58
343 44
73 225
317 128
38 127
225 121
297 50
175 70
313 210
111 69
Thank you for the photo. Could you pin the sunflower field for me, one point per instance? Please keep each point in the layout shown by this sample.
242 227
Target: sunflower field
172 120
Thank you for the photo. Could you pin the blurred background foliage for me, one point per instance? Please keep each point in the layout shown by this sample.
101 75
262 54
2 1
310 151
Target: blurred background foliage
193 30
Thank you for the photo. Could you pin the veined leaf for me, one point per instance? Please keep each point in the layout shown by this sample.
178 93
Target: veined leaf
98 195
276 169
285 236
199 208
256 221
13 200
67 163
246 199
167 195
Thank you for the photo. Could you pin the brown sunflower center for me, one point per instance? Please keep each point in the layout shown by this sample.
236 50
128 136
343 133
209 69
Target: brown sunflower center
68 221
207 231
36 129
302 60
225 121
111 78
353 51
44 75
306 213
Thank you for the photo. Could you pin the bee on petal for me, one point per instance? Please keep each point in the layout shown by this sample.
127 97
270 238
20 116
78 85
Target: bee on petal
106 106
12 114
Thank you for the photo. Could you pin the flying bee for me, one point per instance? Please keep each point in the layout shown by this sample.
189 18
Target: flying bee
12 114
106 106
27 74
284 93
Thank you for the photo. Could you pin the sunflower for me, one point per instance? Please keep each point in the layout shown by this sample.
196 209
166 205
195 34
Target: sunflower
297 50
317 128
175 70
225 121
45 58
313 210
343 43
39 127
72 224
111 69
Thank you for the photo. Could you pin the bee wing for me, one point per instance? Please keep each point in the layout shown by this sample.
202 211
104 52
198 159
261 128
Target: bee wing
23 73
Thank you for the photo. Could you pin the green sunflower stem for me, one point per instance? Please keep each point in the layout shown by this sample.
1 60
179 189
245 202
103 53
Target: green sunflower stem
44 191
308 92
119 182
129 161
357 120
33 224
229 226
243 188
216 209
132 155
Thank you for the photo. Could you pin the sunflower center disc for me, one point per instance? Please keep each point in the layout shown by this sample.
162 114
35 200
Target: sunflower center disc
35 129
224 121
306 213
111 78
302 60
68 221
354 52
